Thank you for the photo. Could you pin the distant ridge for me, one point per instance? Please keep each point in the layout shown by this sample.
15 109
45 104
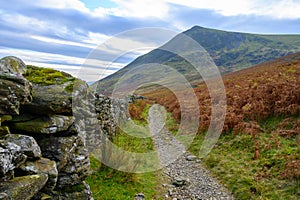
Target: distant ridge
230 51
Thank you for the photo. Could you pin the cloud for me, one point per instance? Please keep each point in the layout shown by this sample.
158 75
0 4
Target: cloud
280 9
142 9
62 33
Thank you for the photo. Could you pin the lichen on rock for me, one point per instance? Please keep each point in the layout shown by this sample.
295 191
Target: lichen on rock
27 143
42 124
45 117
12 65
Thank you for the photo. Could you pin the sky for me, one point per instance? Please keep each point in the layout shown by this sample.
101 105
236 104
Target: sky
61 34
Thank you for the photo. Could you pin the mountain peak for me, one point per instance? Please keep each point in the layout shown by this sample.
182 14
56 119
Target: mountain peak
230 51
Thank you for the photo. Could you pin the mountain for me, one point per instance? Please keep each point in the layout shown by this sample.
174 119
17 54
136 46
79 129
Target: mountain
231 51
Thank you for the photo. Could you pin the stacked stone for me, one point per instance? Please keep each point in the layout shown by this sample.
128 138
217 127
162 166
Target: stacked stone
119 110
103 108
42 147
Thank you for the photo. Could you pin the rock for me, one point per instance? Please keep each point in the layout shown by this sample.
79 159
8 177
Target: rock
4 130
41 196
41 166
139 196
53 99
191 158
5 118
3 196
12 65
23 187
80 191
76 170
27 143
42 124
59 149
15 90
179 182
11 157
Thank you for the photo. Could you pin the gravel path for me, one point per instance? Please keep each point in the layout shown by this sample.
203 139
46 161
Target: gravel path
185 177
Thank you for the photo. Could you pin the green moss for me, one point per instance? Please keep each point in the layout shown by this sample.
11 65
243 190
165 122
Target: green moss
70 87
46 76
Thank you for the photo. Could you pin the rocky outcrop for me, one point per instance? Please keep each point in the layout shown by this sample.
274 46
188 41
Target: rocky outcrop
43 151
14 91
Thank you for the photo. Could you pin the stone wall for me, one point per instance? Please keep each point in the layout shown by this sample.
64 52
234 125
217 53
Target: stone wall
43 154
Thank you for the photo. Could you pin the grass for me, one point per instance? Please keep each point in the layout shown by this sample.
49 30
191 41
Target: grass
232 162
108 183
47 76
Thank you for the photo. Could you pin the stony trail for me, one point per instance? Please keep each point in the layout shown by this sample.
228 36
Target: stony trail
184 176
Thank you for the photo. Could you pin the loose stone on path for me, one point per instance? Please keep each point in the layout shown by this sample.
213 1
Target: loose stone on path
185 176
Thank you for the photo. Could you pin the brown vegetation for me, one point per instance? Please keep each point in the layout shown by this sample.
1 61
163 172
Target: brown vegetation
254 95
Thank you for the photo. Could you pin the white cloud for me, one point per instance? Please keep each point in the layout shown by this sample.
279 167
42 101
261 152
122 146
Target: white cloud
61 4
288 9
57 41
278 9
24 21
141 9
117 45
89 71
95 38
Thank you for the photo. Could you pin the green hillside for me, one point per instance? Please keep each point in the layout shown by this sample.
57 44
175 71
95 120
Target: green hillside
230 51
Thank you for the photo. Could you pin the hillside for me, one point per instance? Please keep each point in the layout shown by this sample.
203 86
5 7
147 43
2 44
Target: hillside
257 155
230 51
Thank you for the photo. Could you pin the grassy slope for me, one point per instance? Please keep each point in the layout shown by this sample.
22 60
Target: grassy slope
258 156
269 177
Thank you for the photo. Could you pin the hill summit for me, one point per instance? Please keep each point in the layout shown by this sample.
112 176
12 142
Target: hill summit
230 51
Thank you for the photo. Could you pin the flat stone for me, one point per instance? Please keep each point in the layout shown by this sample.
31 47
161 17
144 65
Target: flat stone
27 143
55 99
191 158
24 187
179 182
80 191
42 124
139 196
42 166
4 130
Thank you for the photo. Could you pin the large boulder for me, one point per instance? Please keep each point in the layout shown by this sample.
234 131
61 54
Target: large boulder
24 187
15 90
27 143
79 191
41 166
59 149
55 98
11 157
41 124
12 65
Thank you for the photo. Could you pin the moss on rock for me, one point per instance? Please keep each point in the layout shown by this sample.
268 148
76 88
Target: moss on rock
46 76
24 187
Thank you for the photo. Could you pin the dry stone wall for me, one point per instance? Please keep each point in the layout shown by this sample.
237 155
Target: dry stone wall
48 129
42 149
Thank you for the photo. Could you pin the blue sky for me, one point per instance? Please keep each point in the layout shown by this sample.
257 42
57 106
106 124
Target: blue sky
62 33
